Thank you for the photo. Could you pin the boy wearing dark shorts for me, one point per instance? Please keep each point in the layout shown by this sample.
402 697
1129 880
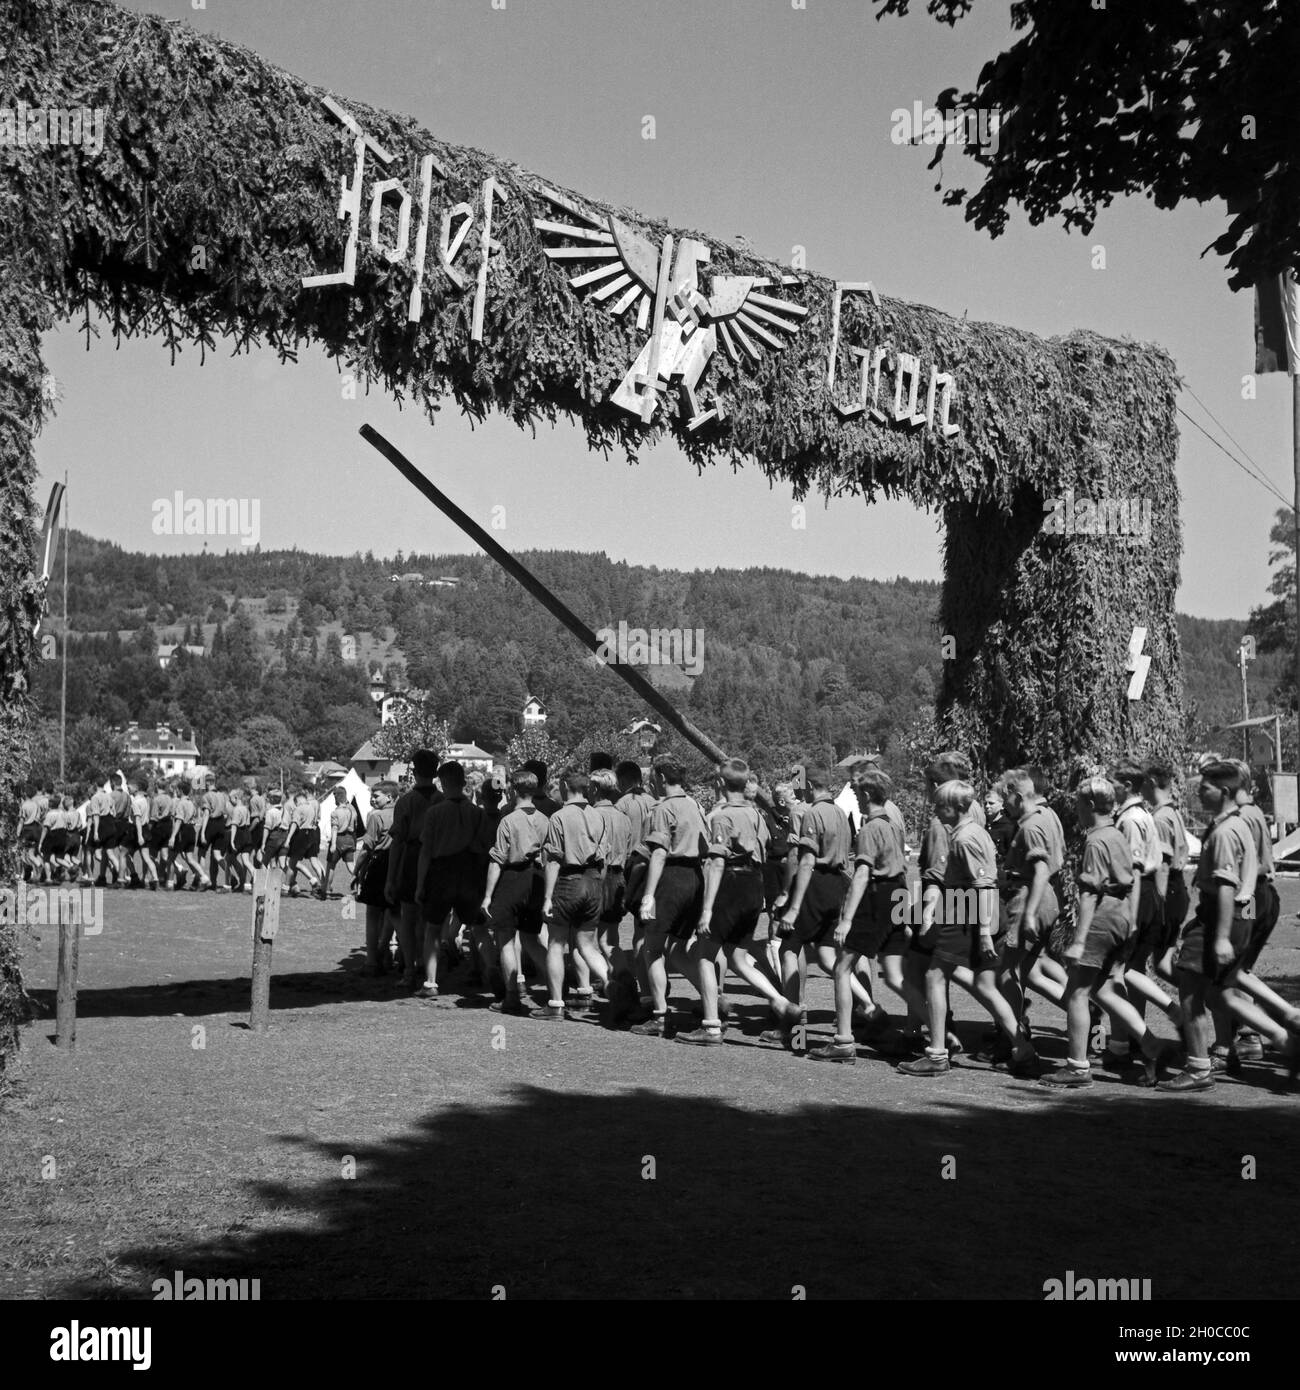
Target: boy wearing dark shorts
674 888
1030 905
343 837
575 849
159 833
1217 937
1136 821
636 803
932 863
275 832
807 925
1247 1047
214 832
1096 956
966 936
869 918
29 834
604 792
1171 876
404 859
737 835
256 819
452 867
512 900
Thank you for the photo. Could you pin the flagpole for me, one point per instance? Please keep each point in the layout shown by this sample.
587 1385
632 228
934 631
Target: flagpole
63 680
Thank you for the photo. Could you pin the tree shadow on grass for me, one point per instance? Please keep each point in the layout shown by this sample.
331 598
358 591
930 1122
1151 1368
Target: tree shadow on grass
637 1193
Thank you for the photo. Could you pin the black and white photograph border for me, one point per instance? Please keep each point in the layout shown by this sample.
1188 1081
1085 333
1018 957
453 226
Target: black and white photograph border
552 754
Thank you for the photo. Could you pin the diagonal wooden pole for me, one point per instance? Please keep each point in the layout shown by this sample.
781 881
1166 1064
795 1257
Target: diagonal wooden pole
629 674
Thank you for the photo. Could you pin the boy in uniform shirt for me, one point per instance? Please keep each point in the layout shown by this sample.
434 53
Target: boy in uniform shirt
275 832
1247 1046
783 813
404 858
100 836
604 791
138 838
304 842
75 832
674 886
1030 903
1136 822
343 837
452 866
53 844
1171 876
575 849
547 805
1217 936
159 833
810 917
969 892
932 864
1000 825
868 921
1107 882
369 877
256 818
214 832
512 900
241 841
636 804
183 846
29 835
890 932
738 838
123 832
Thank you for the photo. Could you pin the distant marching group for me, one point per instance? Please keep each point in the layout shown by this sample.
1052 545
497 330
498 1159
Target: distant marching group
170 834
532 880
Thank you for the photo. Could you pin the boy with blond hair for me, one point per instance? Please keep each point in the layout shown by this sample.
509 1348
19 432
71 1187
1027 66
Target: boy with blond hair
966 936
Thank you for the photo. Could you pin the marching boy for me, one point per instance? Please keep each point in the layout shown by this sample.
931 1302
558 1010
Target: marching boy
512 900
1247 1046
604 790
738 838
1171 876
810 918
969 892
1103 929
575 848
1218 935
932 862
1030 907
674 885
868 922
1146 911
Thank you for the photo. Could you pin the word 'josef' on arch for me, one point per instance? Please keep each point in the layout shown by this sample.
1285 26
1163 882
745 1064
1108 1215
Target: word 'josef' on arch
230 198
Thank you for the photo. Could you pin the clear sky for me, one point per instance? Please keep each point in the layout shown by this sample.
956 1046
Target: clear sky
773 123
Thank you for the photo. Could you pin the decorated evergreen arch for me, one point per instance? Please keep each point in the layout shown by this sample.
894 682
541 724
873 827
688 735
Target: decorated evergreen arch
230 199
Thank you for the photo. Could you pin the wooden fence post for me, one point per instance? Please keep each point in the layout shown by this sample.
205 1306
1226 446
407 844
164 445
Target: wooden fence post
65 1029
266 922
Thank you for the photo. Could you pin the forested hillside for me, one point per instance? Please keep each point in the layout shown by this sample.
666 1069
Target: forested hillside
793 666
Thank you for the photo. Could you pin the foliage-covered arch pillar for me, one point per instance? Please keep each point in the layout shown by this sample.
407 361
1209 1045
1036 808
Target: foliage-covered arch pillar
185 188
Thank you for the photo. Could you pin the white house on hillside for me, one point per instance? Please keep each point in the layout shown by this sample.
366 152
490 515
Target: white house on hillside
173 753
534 712
167 650
396 698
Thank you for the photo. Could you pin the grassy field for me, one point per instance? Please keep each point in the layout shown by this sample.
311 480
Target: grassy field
370 1146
